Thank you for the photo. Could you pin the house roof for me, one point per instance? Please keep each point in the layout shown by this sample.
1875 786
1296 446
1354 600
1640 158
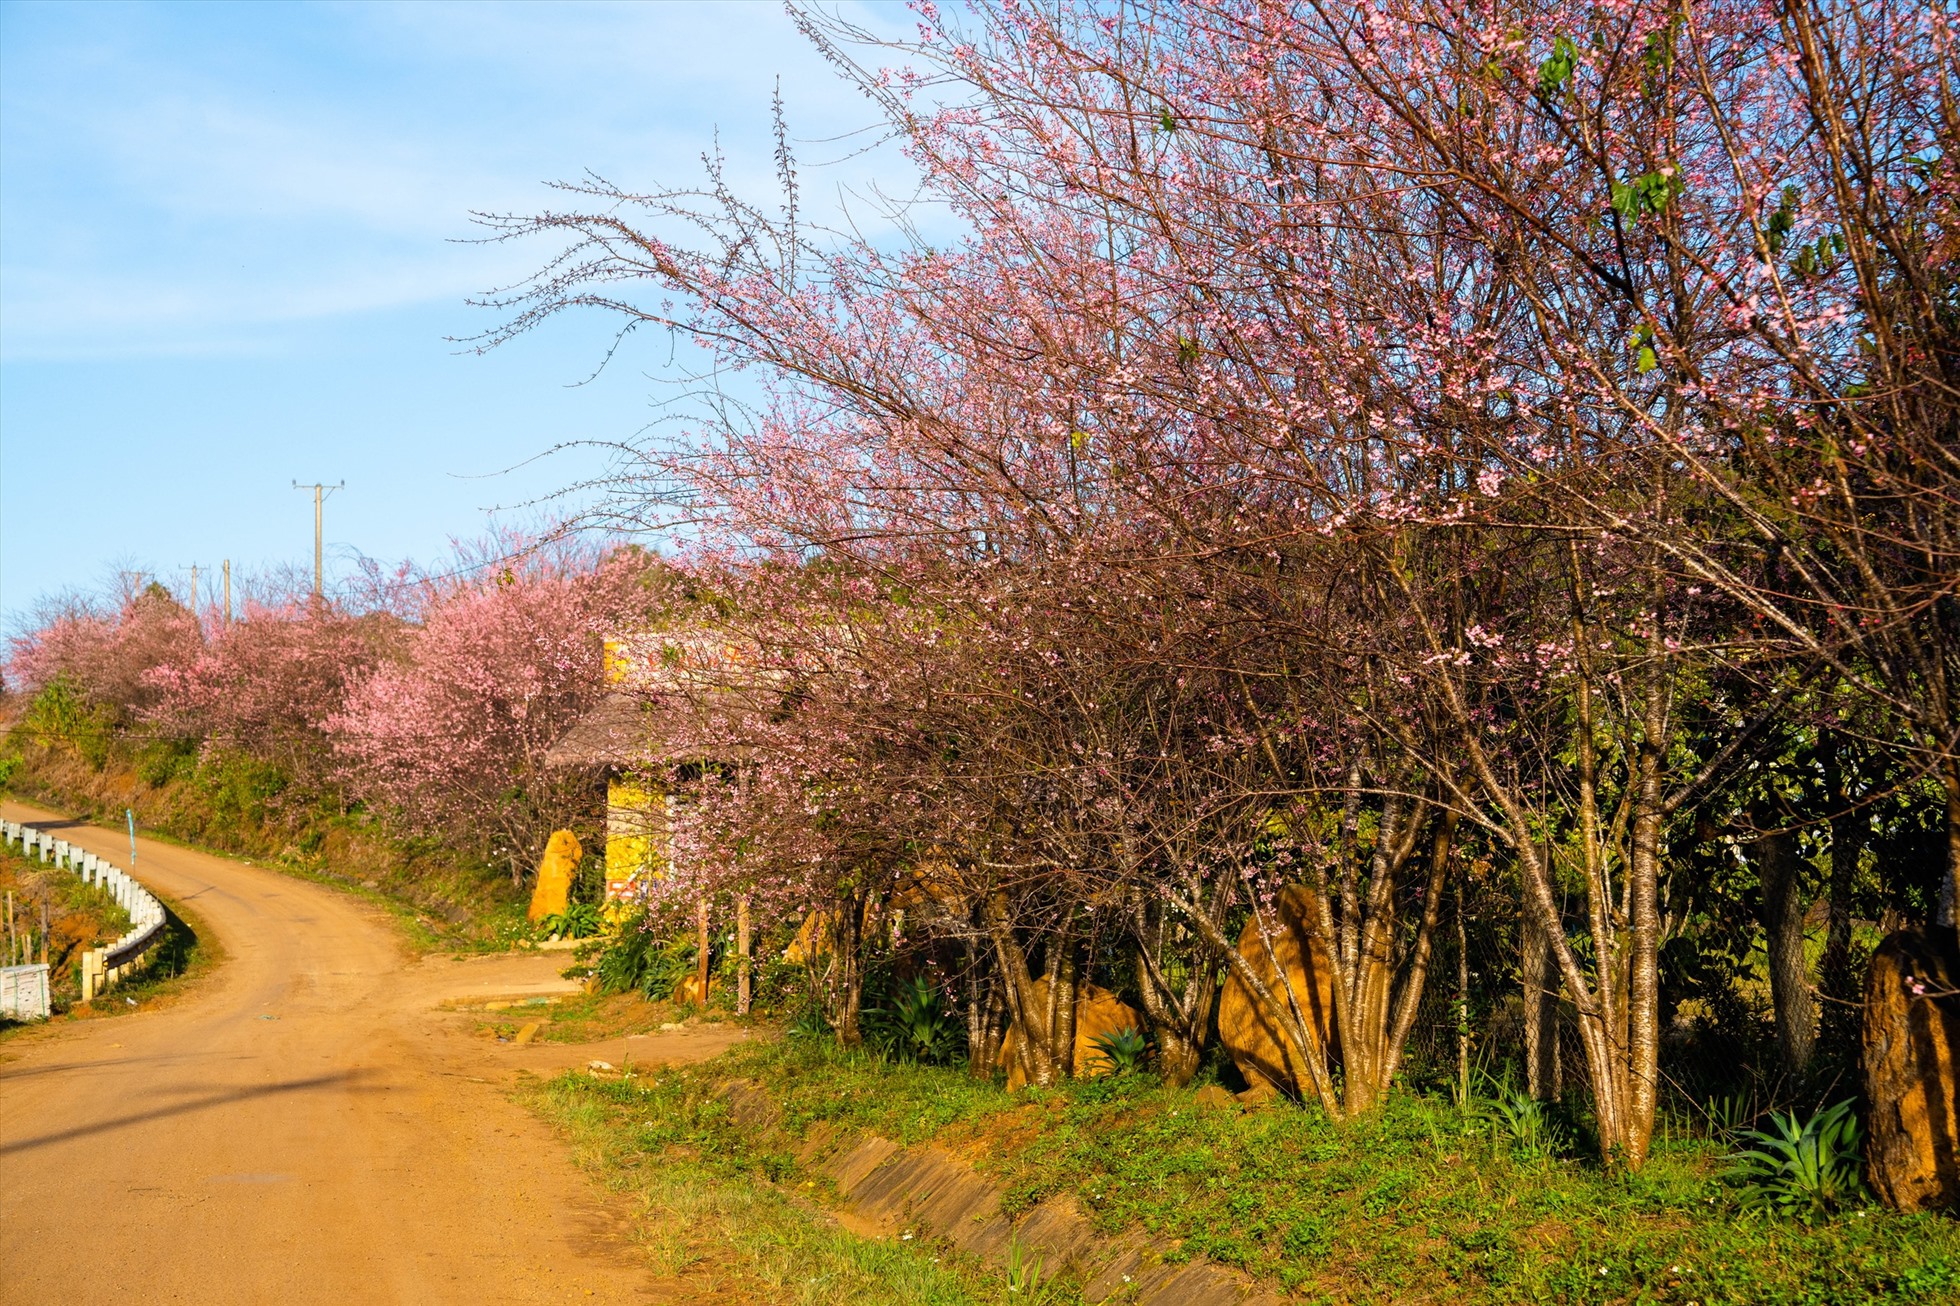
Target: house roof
628 728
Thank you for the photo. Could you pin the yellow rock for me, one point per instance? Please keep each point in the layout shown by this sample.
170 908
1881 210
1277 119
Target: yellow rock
1098 1012
1247 1029
688 991
811 942
1912 1045
562 855
528 1033
1212 1096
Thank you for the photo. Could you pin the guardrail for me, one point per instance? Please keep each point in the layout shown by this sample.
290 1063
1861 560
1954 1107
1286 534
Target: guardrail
102 968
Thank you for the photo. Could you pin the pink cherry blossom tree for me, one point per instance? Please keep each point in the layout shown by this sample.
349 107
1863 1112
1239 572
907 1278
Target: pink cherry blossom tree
451 736
1453 353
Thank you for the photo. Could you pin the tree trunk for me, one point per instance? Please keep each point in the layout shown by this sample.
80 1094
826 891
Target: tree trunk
1834 971
1179 1048
1027 1010
1643 980
1178 1021
983 1014
1062 1038
847 985
1541 987
742 954
1780 870
701 955
1409 1001
1462 997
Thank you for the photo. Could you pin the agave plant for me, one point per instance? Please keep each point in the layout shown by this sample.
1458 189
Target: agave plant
915 1026
1804 1169
1126 1050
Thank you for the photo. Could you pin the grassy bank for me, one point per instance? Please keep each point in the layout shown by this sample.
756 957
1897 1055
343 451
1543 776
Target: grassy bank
248 810
726 1238
1421 1202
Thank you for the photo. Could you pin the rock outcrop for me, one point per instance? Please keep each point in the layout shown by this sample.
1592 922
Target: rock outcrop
811 941
1098 1013
1912 1035
1247 1028
688 993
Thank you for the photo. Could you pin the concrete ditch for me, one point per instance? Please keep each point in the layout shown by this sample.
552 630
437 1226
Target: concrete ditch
894 1187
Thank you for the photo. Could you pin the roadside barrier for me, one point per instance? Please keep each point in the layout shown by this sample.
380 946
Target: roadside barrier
102 968
24 992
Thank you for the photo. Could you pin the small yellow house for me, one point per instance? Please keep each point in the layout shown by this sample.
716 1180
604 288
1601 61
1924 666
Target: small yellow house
648 726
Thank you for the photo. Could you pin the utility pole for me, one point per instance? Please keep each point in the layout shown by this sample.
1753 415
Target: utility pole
320 492
227 591
193 589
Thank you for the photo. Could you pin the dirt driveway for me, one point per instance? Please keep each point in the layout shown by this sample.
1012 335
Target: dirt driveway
306 1127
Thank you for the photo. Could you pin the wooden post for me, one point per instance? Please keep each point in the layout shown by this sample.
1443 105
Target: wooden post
742 953
701 962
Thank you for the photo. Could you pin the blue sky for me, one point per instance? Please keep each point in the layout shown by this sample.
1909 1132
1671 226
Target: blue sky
228 260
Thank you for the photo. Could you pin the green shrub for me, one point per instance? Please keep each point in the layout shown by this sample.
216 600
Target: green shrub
164 760
1807 1170
1513 1114
914 1025
60 712
580 920
636 959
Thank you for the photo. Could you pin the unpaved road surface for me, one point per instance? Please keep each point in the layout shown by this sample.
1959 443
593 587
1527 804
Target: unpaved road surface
307 1126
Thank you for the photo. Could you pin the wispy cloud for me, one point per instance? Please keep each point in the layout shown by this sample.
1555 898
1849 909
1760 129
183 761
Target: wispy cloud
184 178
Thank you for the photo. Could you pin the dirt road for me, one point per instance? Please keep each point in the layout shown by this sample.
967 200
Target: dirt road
306 1127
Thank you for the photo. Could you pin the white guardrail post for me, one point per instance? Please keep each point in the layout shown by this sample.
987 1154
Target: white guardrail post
102 968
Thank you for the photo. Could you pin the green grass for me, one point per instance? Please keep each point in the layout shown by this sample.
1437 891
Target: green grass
1418 1203
707 1223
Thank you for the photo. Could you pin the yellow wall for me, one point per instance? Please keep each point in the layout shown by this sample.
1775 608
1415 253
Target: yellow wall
636 834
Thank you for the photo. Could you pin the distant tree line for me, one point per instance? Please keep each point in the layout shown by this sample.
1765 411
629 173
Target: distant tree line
428 701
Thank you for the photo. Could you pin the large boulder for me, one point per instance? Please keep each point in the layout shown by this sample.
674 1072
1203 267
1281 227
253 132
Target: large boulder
556 868
1912 1030
1247 1028
1098 1013
689 993
811 942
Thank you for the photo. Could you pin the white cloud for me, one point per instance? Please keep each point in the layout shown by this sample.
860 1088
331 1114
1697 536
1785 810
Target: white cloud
173 188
